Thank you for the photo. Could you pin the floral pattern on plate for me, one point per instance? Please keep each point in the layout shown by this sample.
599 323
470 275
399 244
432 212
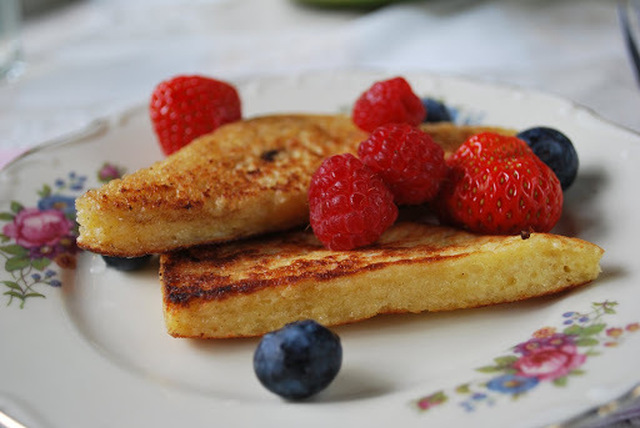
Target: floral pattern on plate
550 355
37 241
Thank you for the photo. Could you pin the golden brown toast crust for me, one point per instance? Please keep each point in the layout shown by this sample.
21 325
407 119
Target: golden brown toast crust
251 287
244 179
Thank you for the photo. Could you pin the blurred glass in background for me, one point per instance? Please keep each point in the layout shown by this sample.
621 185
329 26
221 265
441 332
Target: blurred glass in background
10 45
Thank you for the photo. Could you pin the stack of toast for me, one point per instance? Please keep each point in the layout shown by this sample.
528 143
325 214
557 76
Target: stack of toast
228 216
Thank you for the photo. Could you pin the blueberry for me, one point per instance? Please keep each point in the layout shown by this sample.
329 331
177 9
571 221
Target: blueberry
555 150
436 111
299 360
126 264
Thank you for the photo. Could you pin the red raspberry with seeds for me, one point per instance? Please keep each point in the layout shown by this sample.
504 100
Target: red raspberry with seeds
349 204
186 107
408 160
497 185
388 101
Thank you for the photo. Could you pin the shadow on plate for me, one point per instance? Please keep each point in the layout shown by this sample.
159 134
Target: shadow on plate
581 215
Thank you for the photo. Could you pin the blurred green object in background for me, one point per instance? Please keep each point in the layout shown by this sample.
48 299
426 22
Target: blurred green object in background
38 7
365 4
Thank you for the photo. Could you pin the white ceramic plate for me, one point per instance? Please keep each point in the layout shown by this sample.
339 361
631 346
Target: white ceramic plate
87 347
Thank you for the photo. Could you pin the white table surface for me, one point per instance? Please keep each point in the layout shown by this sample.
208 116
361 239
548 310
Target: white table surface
95 57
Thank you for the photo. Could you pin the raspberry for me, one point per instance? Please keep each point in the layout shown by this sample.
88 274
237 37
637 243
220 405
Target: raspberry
349 204
186 107
388 101
497 185
408 160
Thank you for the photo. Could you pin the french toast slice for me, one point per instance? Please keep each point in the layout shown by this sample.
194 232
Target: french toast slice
246 178
251 287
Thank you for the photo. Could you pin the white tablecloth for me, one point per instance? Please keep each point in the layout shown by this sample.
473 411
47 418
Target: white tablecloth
95 57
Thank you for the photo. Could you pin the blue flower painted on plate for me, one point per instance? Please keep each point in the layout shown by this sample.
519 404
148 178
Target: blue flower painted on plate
512 384
65 204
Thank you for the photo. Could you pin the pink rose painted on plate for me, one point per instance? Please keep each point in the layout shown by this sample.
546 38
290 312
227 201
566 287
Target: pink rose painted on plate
549 364
32 227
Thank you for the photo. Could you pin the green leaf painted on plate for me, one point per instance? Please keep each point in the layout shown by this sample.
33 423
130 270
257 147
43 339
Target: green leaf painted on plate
16 263
573 330
12 284
587 341
506 361
463 389
40 264
560 381
15 250
489 369
16 207
14 294
34 294
593 329
45 191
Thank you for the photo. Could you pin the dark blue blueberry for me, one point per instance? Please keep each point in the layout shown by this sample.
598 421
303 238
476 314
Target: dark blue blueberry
299 360
555 150
126 264
436 111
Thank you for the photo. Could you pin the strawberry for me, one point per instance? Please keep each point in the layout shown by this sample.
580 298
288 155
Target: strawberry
185 107
488 145
497 185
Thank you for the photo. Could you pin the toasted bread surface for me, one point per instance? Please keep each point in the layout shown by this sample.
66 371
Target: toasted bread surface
254 286
246 178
